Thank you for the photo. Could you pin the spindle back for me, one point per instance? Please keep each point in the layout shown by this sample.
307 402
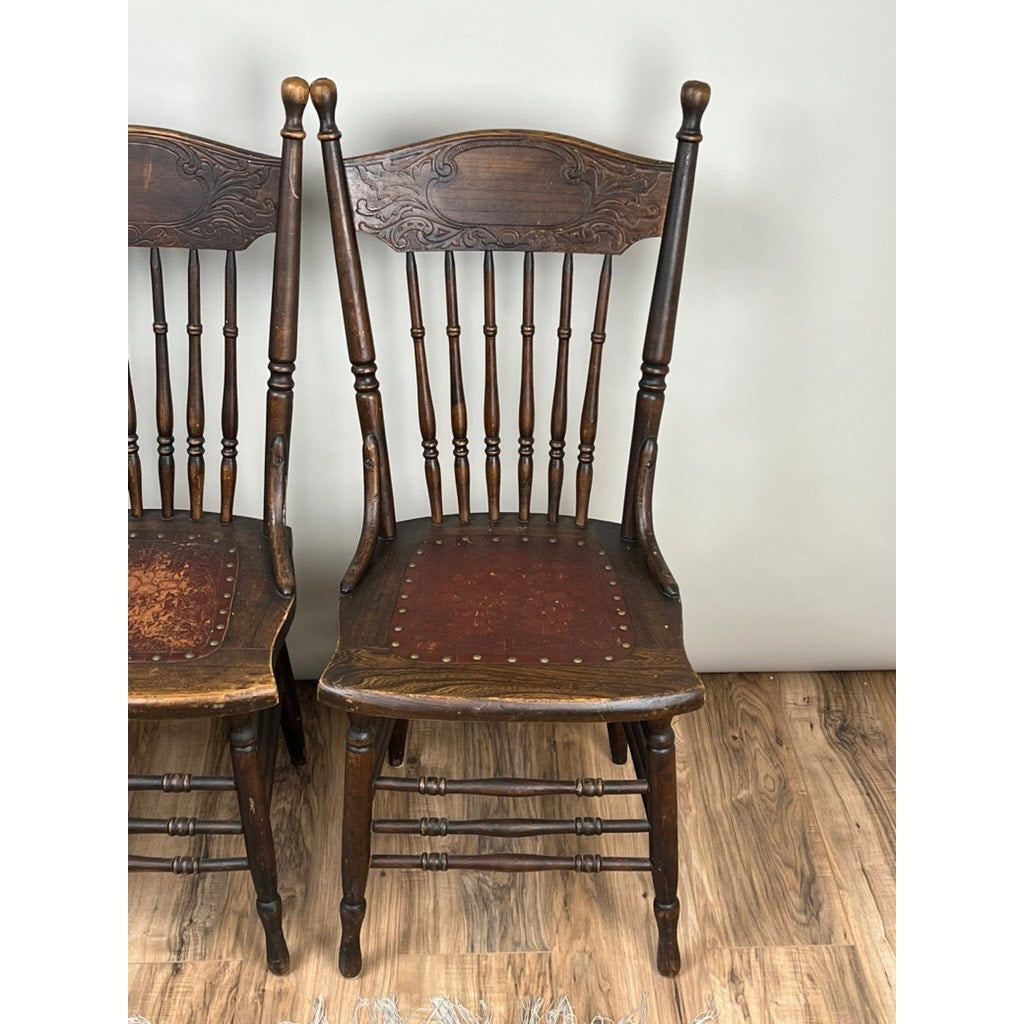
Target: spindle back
524 191
193 194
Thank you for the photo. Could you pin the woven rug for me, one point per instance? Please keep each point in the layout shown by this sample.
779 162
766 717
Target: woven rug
444 1010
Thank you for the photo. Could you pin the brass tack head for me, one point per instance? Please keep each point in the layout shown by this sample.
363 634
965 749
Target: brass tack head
607 566
214 643
552 540
230 565
616 597
577 661
419 551
408 579
620 611
494 540
220 625
190 655
160 536
398 629
438 542
223 611
132 533
477 657
524 539
412 565
395 643
231 551
229 579
611 583
608 657
623 626
216 540
401 611
156 657
580 543
465 540
627 645
511 660
227 595
600 552
544 661
446 658
415 657
403 595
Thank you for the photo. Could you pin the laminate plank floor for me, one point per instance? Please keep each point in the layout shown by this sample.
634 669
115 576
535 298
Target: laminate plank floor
787 873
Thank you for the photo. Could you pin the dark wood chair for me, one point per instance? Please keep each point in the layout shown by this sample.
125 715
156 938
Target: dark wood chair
510 616
211 594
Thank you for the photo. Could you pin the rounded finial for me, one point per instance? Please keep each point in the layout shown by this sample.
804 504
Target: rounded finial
694 97
294 91
324 94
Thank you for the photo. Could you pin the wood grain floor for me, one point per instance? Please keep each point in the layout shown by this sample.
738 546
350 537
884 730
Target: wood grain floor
787 874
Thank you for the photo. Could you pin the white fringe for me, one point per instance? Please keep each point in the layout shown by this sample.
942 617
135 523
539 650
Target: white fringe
450 1011
444 1010
378 1010
319 1013
708 1015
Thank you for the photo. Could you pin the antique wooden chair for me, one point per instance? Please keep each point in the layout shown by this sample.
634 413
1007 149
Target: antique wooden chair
519 616
211 594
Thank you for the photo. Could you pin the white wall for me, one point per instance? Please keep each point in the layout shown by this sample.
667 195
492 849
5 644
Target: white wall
775 495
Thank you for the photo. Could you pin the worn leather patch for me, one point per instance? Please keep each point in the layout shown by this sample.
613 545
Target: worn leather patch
180 592
529 599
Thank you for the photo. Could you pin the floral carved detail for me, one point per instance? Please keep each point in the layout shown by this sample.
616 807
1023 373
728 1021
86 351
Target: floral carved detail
192 193
508 190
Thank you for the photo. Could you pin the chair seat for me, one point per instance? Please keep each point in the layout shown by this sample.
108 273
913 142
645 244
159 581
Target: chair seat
205 620
510 620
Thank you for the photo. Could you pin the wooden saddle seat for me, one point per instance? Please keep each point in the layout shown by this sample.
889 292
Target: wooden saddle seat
211 594
510 621
525 615
206 621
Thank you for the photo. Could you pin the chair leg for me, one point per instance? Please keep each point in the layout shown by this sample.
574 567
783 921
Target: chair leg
664 840
291 713
617 742
254 810
355 839
396 746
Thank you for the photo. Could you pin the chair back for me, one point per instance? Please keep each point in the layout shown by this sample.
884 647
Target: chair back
194 195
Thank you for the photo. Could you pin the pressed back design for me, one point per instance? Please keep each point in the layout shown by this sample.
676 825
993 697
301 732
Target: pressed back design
193 194
490 191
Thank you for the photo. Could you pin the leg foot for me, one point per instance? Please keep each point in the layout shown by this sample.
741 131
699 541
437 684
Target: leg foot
664 842
254 810
355 839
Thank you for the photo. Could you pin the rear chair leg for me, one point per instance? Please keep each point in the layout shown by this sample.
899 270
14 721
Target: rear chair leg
617 742
664 840
254 810
291 713
396 747
355 840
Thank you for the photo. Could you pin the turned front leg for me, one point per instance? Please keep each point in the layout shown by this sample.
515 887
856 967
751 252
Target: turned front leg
355 839
254 810
664 842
